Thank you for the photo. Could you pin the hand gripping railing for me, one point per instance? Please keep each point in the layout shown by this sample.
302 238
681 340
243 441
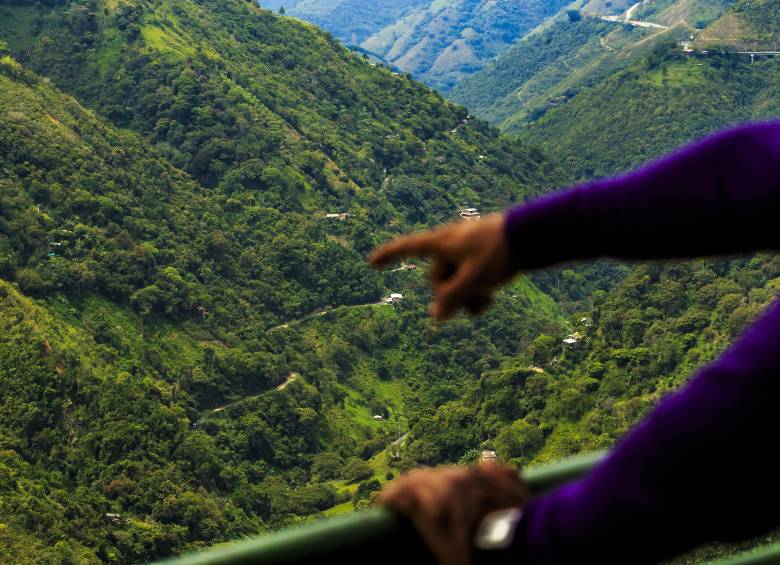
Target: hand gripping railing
379 537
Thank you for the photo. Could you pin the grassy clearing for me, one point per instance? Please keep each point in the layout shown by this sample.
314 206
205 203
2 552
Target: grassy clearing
524 287
380 463
686 74
343 508
167 41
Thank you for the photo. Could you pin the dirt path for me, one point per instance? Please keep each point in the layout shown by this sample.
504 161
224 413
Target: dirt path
292 377
400 441
323 313
626 18
631 10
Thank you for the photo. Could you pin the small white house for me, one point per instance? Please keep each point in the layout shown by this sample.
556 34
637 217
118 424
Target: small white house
394 297
573 339
489 456
470 214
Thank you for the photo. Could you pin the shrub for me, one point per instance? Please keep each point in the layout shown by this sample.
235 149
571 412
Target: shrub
356 470
327 466
365 489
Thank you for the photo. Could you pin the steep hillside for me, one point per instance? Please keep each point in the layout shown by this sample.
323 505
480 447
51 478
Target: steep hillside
438 42
274 115
574 51
184 335
654 106
751 25
534 67
605 98
601 7
699 14
191 346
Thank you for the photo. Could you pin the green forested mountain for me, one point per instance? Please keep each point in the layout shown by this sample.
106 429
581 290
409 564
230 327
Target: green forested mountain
438 42
531 70
655 105
602 97
574 51
191 350
266 120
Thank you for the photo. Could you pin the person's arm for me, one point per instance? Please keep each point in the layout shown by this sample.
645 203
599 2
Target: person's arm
716 197
700 468
702 465
719 196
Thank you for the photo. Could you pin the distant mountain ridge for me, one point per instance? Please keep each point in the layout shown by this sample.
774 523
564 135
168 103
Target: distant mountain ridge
581 84
439 42
351 21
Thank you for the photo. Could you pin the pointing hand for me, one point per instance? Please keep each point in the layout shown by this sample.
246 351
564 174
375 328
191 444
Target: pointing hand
470 261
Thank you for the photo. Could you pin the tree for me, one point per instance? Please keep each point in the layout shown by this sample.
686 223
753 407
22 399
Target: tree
544 348
518 440
356 469
365 489
327 466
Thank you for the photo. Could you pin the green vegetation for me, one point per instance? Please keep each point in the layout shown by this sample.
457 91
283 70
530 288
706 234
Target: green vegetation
762 19
533 67
639 342
351 21
192 351
654 106
602 97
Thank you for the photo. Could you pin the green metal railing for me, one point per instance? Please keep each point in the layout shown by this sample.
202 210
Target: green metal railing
378 537
767 555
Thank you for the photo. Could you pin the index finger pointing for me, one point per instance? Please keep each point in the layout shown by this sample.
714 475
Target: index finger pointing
415 245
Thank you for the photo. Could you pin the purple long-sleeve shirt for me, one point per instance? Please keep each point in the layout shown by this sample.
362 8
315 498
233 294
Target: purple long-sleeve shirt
700 466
